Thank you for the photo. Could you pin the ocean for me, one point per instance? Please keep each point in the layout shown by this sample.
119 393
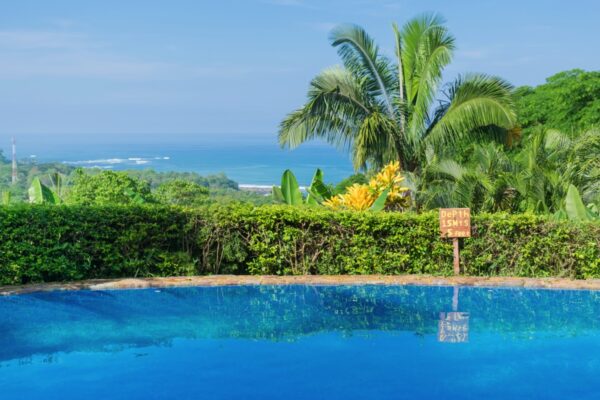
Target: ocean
248 161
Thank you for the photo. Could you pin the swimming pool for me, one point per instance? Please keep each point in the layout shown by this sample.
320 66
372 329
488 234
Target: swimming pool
301 342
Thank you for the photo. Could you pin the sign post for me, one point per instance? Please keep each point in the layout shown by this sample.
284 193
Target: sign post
456 256
455 223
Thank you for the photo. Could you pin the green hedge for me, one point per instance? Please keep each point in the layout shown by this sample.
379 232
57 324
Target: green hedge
59 243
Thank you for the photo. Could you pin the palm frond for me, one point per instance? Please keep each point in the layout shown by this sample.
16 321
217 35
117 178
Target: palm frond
361 56
427 48
474 101
374 141
336 103
450 168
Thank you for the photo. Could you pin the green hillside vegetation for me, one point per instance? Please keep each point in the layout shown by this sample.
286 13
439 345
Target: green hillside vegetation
101 187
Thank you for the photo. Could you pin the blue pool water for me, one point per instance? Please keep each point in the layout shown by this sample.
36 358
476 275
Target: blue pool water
301 342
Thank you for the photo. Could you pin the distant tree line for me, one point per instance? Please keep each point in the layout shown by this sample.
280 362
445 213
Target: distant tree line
58 182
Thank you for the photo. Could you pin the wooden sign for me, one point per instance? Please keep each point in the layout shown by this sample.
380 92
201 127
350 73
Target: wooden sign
455 222
453 327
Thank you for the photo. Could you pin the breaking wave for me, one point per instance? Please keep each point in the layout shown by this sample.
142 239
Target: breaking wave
109 163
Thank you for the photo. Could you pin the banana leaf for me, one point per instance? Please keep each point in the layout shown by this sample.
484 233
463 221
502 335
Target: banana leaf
379 204
576 210
41 194
318 191
290 189
278 194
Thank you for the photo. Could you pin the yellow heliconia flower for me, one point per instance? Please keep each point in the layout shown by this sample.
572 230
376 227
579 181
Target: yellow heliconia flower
358 197
388 177
335 202
361 197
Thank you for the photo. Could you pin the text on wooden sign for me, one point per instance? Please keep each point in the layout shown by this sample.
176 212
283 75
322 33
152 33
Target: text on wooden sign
455 222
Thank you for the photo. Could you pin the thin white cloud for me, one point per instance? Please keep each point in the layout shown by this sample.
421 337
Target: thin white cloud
30 40
324 26
63 23
232 72
293 3
77 66
33 53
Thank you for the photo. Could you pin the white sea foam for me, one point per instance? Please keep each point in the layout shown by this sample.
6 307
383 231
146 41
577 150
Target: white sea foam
101 163
100 166
252 187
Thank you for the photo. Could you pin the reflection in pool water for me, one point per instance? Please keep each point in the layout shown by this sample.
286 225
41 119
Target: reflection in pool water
454 325
299 342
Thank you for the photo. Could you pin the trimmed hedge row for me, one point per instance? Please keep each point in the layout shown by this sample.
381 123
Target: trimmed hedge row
61 243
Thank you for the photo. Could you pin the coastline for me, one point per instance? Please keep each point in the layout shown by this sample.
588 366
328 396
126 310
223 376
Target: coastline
262 189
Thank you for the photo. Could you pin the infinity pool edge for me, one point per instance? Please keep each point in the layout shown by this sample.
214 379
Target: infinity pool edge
230 280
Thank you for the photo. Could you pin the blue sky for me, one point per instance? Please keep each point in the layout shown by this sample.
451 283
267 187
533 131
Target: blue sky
213 69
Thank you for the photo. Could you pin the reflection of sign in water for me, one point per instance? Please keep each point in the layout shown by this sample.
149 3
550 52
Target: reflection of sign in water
453 327
455 222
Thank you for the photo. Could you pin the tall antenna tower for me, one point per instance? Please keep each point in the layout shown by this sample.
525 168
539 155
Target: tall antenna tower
14 161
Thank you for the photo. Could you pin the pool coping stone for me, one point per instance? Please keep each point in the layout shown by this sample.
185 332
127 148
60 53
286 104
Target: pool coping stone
233 280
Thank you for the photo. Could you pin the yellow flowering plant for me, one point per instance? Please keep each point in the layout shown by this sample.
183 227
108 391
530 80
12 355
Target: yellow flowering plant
383 191
358 197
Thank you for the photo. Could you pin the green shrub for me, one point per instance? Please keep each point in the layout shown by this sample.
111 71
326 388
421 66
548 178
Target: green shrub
181 193
60 243
108 188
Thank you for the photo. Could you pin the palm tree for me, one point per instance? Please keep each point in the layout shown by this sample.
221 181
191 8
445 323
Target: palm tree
383 111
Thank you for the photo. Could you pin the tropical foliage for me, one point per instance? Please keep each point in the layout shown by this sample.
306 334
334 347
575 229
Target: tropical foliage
42 194
182 193
476 144
575 210
535 177
108 187
568 101
290 193
385 110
